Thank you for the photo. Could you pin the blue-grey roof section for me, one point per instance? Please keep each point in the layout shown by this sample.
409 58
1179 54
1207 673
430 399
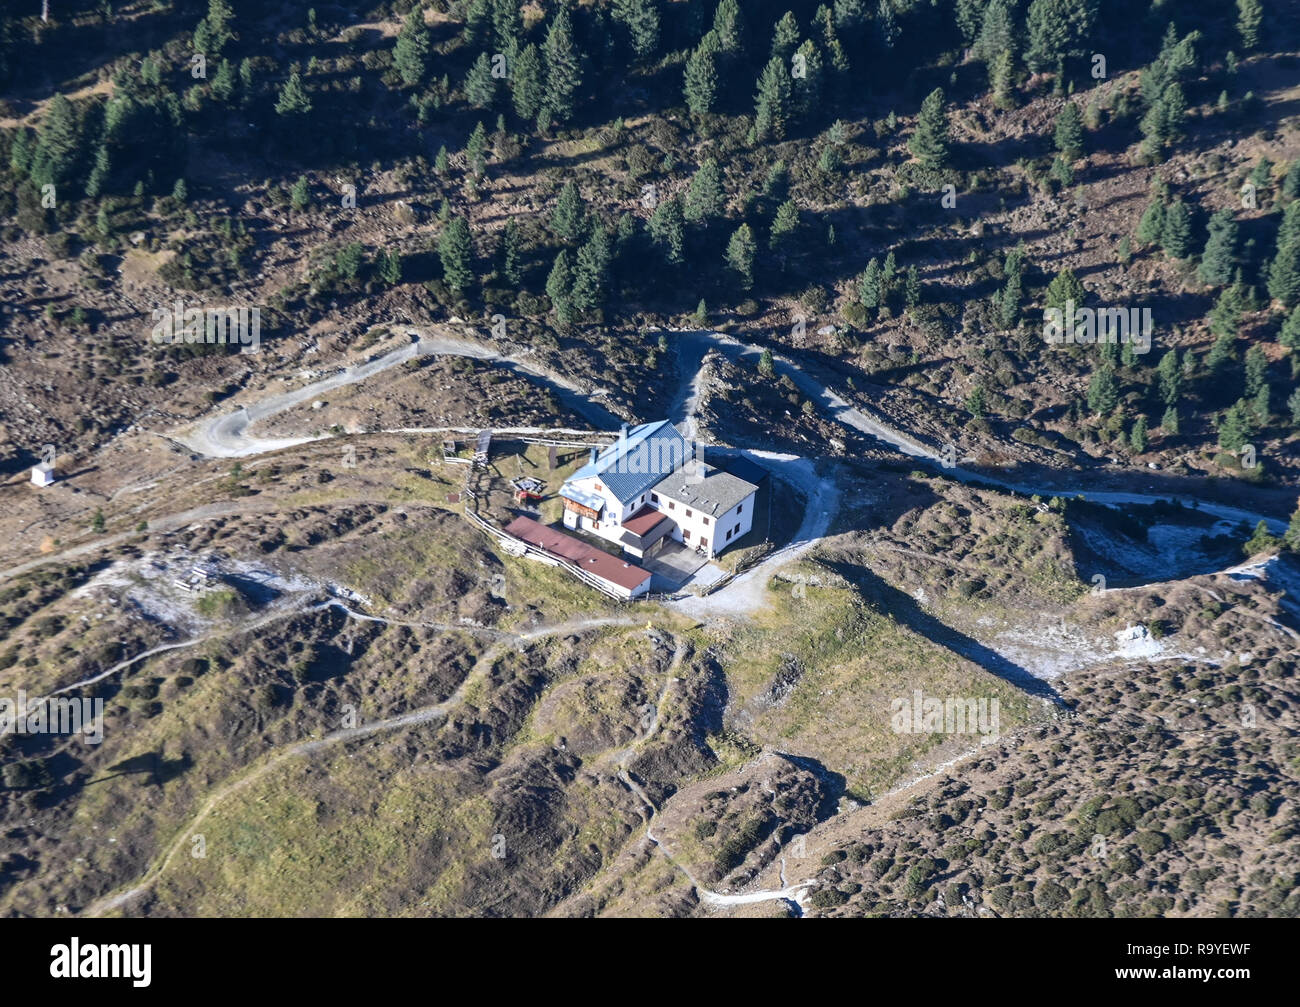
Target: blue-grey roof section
635 462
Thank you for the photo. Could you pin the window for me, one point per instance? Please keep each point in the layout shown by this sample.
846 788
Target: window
706 522
671 505
688 512
654 497
600 488
728 536
736 529
686 536
740 508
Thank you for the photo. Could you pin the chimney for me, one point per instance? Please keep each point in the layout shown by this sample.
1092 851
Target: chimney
594 452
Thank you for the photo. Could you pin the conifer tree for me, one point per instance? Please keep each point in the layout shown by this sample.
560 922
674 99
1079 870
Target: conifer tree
741 250
591 275
700 81
456 251
930 140
786 222
785 37
58 144
293 101
1284 271
511 266
1068 135
641 19
559 285
526 89
411 51
870 294
1176 235
667 228
480 85
772 102
1219 259
566 219
1169 378
705 199
1249 16
563 67
1103 390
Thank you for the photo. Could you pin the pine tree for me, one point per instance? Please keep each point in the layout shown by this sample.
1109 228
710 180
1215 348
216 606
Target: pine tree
766 366
706 197
641 19
455 250
300 194
1256 370
1152 225
727 25
411 51
511 266
1249 16
1234 429
912 288
1284 271
667 228
741 250
1137 437
1001 78
99 173
930 140
480 85
1169 377
591 275
1176 235
786 222
808 88
507 26
1069 132
293 100
1065 287
223 82
1291 181
700 81
58 144
563 67
213 32
785 37
526 91
1169 422
478 27
1222 355
870 293
559 285
567 217
1103 390
1058 30
772 102
1290 333
1219 259
997 33
389 267
1261 404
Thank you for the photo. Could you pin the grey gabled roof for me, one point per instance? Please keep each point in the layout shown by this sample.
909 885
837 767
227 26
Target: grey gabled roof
713 494
637 460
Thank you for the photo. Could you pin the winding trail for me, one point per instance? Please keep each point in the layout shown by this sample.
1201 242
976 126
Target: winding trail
227 435
276 758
